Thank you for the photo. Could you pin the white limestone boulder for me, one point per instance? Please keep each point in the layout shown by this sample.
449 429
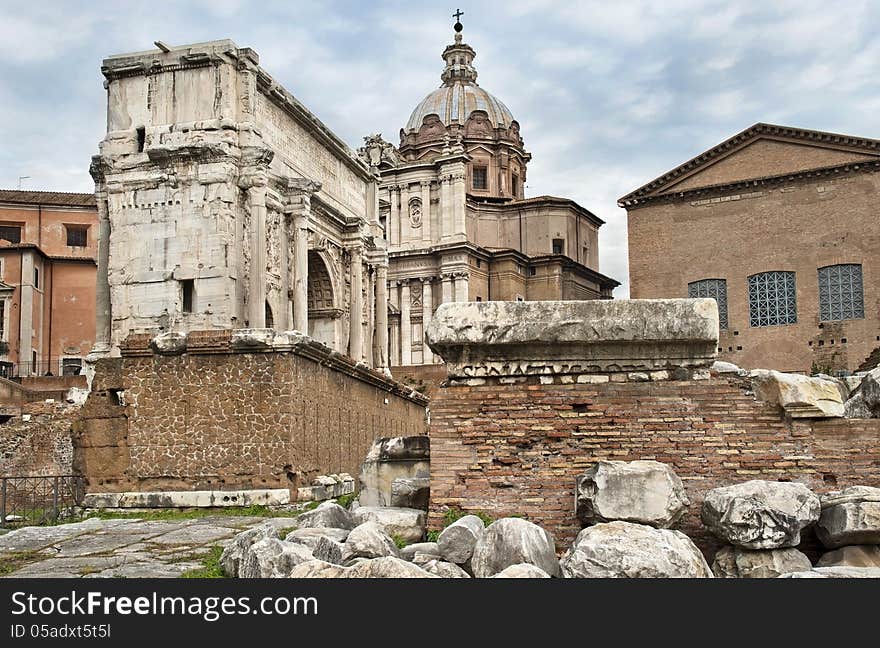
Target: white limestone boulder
272 558
864 399
645 492
422 548
628 550
800 396
317 569
411 492
760 514
735 562
836 572
386 567
851 556
404 523
721 367
326 515
328 550
511 541
850 517
443 569
522 570
231 558
457 541
369 540
311 537
170 343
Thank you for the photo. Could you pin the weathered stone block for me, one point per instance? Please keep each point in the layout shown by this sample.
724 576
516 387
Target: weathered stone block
850 517
407 524
647 492
851 556
511 541
627 550
735 562
800 396
864 400
478 339
760 514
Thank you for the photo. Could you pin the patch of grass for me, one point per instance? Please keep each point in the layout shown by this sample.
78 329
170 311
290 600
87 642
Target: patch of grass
345 500
189 514
400 542
432 536
85 571
14 561
455 514
283 531
210 566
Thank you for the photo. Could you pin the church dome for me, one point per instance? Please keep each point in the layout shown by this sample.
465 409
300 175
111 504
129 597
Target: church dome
459 96
454 104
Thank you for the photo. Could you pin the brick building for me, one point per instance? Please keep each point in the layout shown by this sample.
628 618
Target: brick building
48 244
780 225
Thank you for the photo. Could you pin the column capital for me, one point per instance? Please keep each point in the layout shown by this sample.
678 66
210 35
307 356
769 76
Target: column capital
425 183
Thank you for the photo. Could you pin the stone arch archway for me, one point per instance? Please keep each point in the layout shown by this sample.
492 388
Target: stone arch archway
324 310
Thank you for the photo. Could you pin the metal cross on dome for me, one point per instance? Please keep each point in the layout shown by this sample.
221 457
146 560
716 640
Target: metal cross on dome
457 15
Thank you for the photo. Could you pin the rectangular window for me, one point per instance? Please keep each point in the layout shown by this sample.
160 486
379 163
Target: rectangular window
479 299
480 178
841 292
772 299
36 277
77 235
2 319
514 185
533 272
187 290
479 263
33 362
717 290
71 366
558 246
11 233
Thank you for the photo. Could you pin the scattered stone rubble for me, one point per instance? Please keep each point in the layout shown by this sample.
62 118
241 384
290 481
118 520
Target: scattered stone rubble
627 509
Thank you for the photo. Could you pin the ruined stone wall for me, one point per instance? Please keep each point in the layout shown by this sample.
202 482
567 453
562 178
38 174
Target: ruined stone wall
517 448
38 443
212 414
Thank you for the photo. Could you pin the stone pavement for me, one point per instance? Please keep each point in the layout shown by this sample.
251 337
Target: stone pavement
125 548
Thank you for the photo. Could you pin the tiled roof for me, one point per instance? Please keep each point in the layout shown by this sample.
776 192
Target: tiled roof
56 198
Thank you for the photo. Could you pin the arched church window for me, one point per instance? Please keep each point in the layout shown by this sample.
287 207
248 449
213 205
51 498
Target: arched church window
714 288
772 299
841 292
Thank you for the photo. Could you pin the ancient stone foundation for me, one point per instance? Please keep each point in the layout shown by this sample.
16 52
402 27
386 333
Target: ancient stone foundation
234 410
516 444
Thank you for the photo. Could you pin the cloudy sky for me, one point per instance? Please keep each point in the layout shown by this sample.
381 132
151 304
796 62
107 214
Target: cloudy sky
609 95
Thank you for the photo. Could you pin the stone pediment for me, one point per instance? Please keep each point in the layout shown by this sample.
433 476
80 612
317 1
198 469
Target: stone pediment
762 151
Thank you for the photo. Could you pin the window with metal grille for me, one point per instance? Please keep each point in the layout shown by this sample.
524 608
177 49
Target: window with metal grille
772 299
11 233
558 246
71 366
480 178
77 236
841 295
717 290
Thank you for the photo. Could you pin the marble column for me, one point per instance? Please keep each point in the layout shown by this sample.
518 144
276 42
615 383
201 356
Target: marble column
426 211
283 316
405 325
427 312
394 216
446 294
300 207
382 361
394 344
459 200
461 287
256 196
103 314
356 320
445 220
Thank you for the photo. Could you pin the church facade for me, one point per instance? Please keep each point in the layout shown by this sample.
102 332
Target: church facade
455 218
780 226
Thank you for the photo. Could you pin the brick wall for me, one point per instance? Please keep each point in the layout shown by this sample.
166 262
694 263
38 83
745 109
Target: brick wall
40 445
217 417
517 449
